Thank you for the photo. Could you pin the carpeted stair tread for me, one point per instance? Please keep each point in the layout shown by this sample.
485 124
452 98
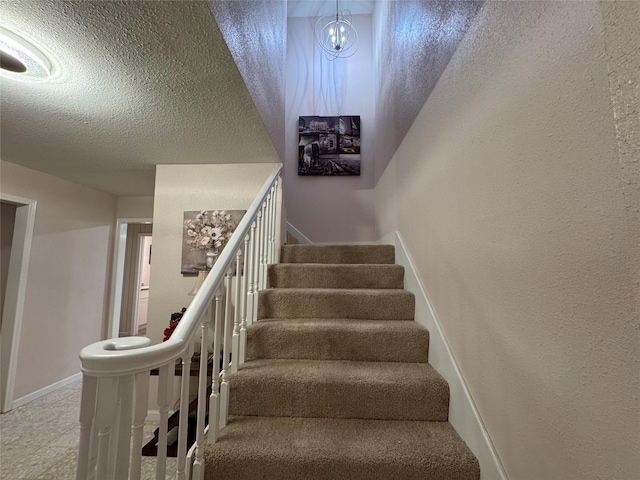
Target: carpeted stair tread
336 385
338 339
372 304
314 275
339 389
258 448
337 254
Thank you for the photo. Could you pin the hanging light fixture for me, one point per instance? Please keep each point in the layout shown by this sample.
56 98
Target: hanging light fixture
336 35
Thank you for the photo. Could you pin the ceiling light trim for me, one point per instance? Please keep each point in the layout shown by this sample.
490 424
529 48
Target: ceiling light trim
37 64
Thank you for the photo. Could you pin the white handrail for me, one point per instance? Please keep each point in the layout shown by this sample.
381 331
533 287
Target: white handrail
110 395
109 358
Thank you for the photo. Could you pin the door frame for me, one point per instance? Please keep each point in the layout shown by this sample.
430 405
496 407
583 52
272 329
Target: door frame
136 300
117 279
16 290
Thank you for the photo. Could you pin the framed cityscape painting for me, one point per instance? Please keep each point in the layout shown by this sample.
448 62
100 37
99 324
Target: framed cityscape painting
329 145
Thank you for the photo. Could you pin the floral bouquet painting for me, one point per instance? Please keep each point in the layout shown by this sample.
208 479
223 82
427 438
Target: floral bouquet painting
205 234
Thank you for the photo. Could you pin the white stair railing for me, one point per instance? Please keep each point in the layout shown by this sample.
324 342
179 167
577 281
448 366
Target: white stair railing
116 372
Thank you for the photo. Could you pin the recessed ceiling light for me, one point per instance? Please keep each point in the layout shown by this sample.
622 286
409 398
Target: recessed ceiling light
21 60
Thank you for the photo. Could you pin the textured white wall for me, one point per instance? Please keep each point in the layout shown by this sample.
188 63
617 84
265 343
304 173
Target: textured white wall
67 289
256 34
181 188
135 207
414 41
513 196
622 40
329 209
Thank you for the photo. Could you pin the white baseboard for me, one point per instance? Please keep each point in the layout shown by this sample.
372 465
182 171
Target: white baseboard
302 239
463 413
18 402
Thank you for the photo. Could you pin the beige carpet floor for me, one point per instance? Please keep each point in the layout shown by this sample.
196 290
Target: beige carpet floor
39 440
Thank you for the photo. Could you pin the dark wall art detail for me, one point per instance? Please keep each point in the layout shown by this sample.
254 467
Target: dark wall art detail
329 145
205 233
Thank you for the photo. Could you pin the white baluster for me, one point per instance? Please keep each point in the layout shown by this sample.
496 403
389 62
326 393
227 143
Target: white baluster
271 236
236 316
106 412
274 214
267 229
87 413
113 442
251 259
214 399
141 407
183 422
93 449
259 232
198 464
256 271
263 246
274 222
226 349
165 390
243 300
122 444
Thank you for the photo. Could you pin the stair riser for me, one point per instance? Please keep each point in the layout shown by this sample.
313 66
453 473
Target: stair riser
254 448
335 276
326 303
338 400
345 254
338 469
268 340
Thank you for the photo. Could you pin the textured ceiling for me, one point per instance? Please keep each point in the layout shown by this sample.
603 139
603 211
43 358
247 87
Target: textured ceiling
136 84
317 8
139 83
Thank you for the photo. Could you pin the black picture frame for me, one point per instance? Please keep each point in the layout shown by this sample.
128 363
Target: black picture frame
329 146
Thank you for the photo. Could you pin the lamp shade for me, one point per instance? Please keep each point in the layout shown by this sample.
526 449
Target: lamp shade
202 274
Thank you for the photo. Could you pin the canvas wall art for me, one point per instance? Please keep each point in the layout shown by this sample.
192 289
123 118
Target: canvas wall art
204 235
329 145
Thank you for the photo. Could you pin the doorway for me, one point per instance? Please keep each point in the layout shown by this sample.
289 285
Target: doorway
22 211
126 284
141 302
8 218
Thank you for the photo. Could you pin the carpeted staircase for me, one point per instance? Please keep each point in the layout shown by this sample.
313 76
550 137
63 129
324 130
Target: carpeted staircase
336 383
